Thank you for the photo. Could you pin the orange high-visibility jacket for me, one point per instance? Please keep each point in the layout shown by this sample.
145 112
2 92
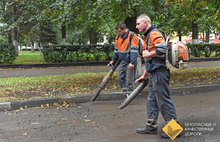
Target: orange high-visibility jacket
154 41
123 51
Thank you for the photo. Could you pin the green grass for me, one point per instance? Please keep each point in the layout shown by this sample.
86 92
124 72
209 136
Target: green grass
28 57
20 88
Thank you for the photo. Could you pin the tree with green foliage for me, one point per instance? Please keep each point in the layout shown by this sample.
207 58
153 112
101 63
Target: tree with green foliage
93 18
32 26
6 16
194 11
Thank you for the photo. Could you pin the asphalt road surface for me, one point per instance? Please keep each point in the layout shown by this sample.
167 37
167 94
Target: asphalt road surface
102 121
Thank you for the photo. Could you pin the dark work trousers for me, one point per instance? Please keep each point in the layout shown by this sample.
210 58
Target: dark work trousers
126 77
159 97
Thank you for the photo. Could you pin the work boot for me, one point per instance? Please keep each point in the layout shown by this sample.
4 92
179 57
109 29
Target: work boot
164 135
147 130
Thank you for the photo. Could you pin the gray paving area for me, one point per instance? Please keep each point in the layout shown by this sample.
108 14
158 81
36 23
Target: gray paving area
102 121
76 69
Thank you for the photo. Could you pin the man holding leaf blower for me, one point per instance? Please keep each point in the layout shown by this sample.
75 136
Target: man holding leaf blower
159 97
127 51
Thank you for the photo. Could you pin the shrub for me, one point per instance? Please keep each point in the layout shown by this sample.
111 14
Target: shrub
77 53
7 53
198 50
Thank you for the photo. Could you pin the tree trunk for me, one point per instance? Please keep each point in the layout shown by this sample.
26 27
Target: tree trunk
32 44
15 30
131 22
64 35
207 36
39 44
79 39
26 46
92 36
110 40
194 32
180 35
203 36
10 38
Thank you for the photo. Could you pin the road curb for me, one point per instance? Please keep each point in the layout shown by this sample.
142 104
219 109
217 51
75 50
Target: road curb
207 59
13 105
46 65
5 106
32 102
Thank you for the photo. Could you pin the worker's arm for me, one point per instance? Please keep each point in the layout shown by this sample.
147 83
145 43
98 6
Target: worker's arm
147 54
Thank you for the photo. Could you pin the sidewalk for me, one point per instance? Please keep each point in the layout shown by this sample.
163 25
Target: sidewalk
76 69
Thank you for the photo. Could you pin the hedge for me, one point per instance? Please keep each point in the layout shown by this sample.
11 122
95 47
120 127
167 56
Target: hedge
77 53
80 53
197 50
7 53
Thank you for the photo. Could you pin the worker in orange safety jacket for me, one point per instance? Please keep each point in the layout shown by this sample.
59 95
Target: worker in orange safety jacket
127 52
159 99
